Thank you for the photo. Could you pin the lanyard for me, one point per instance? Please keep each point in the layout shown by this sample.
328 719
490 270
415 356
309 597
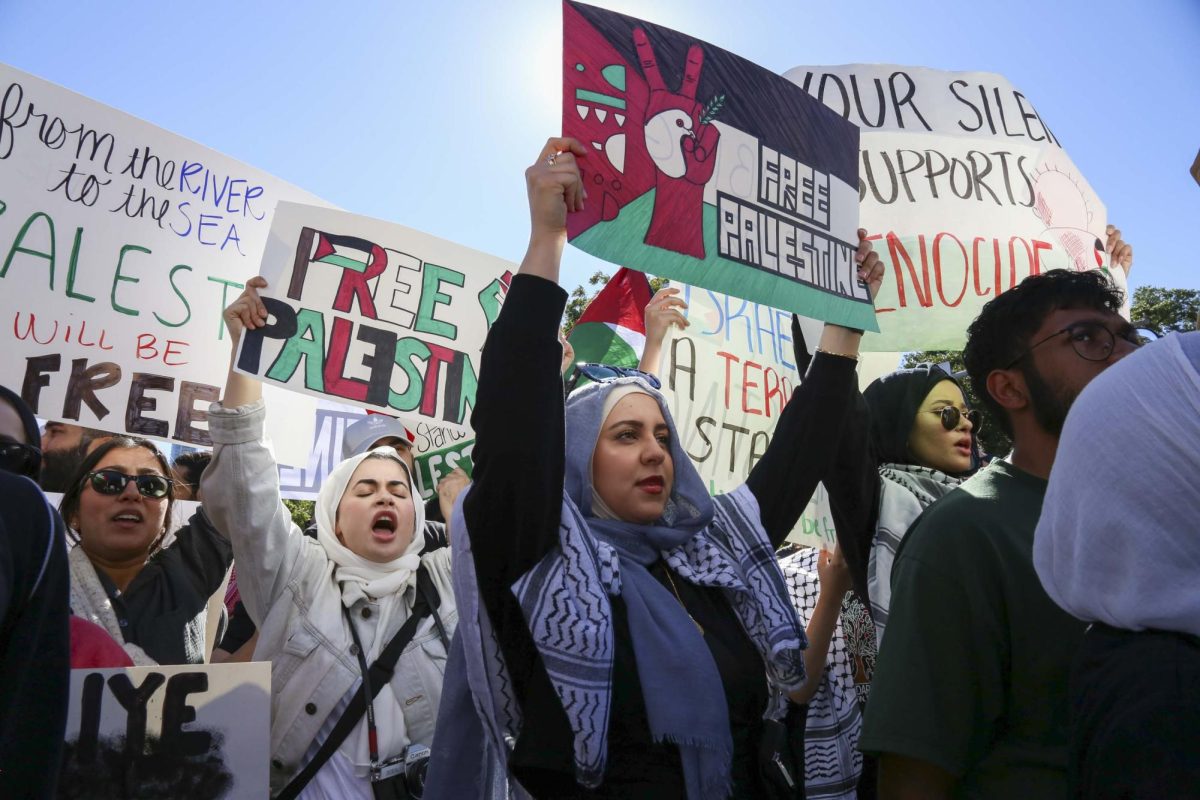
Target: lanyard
372 736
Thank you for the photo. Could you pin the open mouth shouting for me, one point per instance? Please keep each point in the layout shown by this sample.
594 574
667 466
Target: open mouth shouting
383 525
128 519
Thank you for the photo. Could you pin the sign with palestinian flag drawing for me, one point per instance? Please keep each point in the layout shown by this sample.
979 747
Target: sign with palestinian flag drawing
373 314
705 168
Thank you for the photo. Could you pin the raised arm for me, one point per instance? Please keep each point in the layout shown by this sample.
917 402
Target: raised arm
853 485
514 505
240 487
806 437
664 310
833 581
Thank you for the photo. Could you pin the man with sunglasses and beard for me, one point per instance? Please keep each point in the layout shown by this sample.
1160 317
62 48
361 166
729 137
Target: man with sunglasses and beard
969 697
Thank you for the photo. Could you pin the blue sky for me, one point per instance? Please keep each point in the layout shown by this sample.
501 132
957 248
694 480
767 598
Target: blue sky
426 114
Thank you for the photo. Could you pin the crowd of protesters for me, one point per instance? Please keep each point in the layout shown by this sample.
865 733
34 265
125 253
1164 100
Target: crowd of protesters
581 619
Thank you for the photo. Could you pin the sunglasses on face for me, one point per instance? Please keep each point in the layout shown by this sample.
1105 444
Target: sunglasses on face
951 416
604 372
111 482
20 459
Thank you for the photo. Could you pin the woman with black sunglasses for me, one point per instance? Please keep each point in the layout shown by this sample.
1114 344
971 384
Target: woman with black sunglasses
920 444
152 599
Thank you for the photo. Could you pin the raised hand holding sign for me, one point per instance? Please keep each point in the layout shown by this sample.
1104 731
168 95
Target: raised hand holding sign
683 147
761 204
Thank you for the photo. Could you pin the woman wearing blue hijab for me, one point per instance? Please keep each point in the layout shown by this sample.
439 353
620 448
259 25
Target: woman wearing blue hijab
622 633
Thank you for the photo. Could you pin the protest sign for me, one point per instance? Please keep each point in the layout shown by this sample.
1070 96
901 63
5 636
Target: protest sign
374 315
965 190
708 169
195 731
436 451
120 244
727 378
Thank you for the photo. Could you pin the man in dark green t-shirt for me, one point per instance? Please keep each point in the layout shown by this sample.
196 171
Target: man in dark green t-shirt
969 697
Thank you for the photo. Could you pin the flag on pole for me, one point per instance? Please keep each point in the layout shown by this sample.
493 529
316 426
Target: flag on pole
612 329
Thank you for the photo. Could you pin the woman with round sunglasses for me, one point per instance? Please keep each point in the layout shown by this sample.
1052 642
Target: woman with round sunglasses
917 444
622 633
150 597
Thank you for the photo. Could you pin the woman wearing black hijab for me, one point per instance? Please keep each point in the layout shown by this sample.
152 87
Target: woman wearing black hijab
921 444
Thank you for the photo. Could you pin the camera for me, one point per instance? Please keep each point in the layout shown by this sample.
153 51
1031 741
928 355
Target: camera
402 777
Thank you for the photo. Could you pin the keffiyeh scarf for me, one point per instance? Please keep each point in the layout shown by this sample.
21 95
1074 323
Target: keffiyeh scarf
567 603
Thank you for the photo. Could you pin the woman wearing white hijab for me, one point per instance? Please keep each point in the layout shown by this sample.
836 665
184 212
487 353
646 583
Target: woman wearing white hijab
1117 546
362 570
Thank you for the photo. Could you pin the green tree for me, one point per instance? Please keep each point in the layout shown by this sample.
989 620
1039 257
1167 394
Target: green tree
992 438
1165 310
301 511
581 296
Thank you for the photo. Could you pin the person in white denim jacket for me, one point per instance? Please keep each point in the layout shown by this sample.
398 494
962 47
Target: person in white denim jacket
365 559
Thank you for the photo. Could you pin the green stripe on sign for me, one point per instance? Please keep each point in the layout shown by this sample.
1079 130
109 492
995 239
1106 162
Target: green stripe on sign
602 99
342 261
432 467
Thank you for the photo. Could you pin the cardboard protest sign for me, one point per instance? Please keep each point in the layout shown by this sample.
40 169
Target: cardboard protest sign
437 450
727 378
708 169
120 244
965 189
195 731
374 315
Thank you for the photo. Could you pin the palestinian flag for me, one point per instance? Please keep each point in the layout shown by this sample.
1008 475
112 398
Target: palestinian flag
612 329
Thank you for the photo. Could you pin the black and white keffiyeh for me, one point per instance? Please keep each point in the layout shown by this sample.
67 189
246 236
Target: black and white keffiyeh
832 762
567 603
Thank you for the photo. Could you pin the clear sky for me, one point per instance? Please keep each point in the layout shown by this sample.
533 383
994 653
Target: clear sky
427 113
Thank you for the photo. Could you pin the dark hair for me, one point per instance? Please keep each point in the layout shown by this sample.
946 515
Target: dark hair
28 420
1003 330
191 466
69 507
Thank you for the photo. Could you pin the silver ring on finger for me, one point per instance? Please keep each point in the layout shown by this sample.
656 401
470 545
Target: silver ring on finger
550 159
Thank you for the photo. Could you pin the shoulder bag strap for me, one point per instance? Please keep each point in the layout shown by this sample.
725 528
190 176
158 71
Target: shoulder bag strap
379 675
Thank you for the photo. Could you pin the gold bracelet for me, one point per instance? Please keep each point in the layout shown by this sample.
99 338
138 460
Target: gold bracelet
851 356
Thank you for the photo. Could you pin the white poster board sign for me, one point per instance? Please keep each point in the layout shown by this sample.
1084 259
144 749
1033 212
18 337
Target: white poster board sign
197 731
727 378
374 315
965 190
120 244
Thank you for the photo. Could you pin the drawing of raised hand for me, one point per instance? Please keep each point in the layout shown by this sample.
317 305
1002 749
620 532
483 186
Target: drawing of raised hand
683 146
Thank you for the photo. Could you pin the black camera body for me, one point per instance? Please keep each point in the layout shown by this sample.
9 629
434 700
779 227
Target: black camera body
402 777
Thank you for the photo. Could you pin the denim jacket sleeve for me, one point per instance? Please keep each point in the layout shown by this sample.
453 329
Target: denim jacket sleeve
240 491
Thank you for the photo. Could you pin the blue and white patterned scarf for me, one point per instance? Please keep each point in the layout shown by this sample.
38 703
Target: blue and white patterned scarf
566 600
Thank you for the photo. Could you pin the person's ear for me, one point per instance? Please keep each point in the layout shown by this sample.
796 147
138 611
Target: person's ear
1007 387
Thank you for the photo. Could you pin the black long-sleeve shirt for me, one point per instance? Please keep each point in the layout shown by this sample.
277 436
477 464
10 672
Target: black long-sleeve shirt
513 514
35 661
157 608
854 488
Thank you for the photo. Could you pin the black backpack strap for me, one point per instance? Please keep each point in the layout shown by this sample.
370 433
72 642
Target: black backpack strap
380 674
429 593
